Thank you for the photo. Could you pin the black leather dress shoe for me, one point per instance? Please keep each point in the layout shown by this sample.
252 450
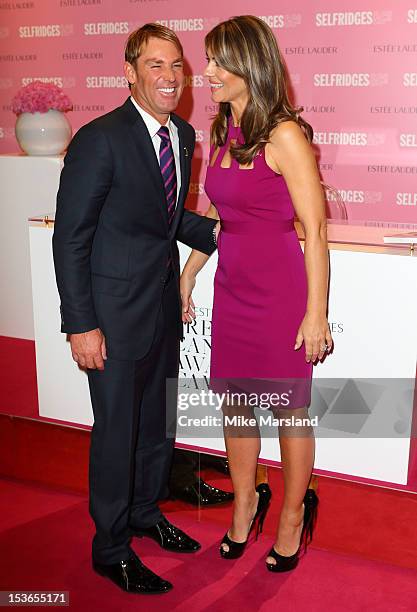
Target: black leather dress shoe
168 537
132 576
221 464
200 493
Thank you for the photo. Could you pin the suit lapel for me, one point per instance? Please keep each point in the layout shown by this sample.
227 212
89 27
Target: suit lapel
146 151
185 166
144 147
184 162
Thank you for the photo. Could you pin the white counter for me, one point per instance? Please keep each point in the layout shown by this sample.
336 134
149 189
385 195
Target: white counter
28 186
372 314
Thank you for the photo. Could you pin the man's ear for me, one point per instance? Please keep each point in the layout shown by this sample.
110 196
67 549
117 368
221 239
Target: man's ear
130 73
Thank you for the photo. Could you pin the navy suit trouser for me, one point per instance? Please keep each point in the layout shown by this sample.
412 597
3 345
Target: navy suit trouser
131 453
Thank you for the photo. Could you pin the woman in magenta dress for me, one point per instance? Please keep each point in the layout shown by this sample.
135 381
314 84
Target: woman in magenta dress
270 299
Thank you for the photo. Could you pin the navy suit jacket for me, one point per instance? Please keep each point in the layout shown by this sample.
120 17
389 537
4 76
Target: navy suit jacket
112 240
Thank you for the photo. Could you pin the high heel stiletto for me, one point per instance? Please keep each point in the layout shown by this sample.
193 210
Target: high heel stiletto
236 549
283 563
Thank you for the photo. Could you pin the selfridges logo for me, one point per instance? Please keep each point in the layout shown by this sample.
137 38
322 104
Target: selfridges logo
310 50
106 28
410 79
7 133
196 189
59 81
350 79
412 16
355 196
202 135
275 22
347 79
352 18
15 6
351 196
408 140
353 139
46 31
406 198
195 24
105 82
194 80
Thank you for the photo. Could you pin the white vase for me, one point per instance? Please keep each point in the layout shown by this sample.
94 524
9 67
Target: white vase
43 133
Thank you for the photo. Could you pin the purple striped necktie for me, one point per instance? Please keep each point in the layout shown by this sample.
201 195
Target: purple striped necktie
169 175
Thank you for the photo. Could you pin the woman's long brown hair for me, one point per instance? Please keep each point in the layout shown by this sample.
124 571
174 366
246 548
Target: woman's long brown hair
246 47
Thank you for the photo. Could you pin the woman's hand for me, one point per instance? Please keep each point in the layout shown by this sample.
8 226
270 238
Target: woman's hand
315 333
187 283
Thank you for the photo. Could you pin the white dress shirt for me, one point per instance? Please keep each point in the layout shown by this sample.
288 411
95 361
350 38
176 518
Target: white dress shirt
153 126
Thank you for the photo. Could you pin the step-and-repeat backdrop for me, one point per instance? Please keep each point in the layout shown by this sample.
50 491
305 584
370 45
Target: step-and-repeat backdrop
352 64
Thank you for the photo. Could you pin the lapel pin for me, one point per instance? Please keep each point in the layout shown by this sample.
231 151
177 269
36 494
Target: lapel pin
185 151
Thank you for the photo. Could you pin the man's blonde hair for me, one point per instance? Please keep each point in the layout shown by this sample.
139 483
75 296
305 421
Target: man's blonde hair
138 39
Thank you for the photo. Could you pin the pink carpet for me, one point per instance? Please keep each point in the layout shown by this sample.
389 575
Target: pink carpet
45 544
364 554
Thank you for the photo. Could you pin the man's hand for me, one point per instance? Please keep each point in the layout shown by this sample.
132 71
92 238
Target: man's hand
89 349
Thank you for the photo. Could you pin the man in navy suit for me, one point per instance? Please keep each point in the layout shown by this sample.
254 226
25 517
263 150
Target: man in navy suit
120 211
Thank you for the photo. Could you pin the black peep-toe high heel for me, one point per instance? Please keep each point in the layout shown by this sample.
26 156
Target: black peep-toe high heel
283 563
236 549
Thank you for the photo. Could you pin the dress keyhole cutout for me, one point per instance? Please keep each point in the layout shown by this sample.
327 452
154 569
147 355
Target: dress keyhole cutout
227 158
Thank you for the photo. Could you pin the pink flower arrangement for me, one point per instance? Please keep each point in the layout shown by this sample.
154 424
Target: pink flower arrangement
39 97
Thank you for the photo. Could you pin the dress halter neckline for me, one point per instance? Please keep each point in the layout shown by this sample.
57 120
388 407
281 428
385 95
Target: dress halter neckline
232 125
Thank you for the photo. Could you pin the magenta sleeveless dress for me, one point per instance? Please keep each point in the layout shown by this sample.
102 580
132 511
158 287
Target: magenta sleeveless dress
260 286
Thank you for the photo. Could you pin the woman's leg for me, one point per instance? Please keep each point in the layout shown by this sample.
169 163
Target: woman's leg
297 455
243 447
